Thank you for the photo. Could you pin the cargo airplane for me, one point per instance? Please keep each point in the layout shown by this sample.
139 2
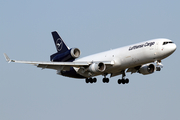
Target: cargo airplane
144 58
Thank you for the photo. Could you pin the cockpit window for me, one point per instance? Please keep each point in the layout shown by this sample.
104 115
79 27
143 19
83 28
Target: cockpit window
164 43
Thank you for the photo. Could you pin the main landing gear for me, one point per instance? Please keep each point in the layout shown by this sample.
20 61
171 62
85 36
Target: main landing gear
123 80
106 80
91 80
94 80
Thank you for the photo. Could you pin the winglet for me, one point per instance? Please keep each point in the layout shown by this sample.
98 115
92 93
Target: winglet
7 58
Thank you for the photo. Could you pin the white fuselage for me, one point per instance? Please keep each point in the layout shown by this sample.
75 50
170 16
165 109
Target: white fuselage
132 55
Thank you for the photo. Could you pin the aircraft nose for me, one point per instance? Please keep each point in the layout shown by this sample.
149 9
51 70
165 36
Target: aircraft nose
173 47
169 49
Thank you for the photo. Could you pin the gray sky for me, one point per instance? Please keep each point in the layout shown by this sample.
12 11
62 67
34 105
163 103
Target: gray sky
29 93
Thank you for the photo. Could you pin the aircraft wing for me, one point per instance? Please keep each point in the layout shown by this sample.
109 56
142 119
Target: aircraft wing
56 65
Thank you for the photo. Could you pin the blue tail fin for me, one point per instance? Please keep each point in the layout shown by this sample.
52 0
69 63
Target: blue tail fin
59 43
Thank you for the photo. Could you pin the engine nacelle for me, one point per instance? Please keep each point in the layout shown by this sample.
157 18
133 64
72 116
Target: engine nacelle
147 69
75 52
69 55
97 67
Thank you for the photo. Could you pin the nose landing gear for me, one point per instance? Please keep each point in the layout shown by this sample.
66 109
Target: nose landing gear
159 65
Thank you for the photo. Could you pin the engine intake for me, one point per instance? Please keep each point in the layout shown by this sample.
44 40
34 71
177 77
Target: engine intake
97 67
147 69
75 52
69 55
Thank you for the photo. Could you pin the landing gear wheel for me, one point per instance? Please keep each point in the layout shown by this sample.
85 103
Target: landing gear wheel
119 81
91 80
87 80
94 80
158 69
123 81
127 81
105 80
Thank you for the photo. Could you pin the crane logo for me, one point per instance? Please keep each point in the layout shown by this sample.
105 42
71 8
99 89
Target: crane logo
59 44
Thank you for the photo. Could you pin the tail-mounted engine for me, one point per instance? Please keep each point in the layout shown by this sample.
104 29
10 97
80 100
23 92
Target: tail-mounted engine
147 69
97 67
69 55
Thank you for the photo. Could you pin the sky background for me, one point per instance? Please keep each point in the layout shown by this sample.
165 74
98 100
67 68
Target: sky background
29 93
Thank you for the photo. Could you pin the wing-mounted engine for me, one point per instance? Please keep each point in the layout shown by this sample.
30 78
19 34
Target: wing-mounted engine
147 69
97 67
69 55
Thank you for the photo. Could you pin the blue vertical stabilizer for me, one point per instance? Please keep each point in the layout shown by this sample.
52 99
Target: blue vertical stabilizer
63 53
59 43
